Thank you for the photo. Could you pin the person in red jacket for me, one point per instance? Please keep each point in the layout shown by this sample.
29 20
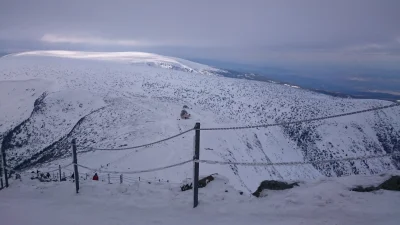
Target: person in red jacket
95 177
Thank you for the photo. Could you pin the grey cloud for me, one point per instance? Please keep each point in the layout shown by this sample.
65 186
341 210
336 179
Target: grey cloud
254 30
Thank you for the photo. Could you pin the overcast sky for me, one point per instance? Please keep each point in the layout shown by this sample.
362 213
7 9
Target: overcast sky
250 31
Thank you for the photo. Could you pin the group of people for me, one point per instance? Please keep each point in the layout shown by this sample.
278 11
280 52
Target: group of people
42 175
95 176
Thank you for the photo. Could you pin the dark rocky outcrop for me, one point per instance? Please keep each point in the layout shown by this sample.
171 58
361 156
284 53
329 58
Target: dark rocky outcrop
202 183
273 185
364 189
392 184
186 187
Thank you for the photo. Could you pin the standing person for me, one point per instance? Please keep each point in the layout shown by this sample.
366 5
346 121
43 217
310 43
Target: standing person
95 177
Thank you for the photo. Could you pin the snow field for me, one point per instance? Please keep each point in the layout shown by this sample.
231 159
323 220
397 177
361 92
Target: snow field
323 201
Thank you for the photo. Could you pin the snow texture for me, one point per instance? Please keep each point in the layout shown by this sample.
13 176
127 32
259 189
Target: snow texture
325 201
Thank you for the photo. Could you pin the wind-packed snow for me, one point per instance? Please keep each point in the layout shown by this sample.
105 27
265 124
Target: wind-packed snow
325 201
114 100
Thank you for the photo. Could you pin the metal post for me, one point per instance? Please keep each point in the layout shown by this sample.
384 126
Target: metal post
109 179
196 166
75 162
120 179
1 171
3 153
59 171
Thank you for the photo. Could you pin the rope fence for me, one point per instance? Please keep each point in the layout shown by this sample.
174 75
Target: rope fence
126 177
241 127
138 146
117 177
303 121
260 164
137 171
265 164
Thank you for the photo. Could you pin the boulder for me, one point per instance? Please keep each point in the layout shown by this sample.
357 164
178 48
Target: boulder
273 185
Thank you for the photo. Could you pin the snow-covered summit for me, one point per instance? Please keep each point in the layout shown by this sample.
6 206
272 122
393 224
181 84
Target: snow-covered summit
130 57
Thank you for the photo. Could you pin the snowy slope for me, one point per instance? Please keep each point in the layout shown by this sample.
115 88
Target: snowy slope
127 101
16 99
326 201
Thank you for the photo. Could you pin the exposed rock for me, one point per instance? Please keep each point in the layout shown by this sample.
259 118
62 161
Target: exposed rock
202 183
392 184
186 187
364 189
273 185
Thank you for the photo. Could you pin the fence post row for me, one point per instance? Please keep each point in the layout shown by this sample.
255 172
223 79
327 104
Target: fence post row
196 166
75 162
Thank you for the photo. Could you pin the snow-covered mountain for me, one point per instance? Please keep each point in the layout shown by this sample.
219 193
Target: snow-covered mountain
134 58
111 100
